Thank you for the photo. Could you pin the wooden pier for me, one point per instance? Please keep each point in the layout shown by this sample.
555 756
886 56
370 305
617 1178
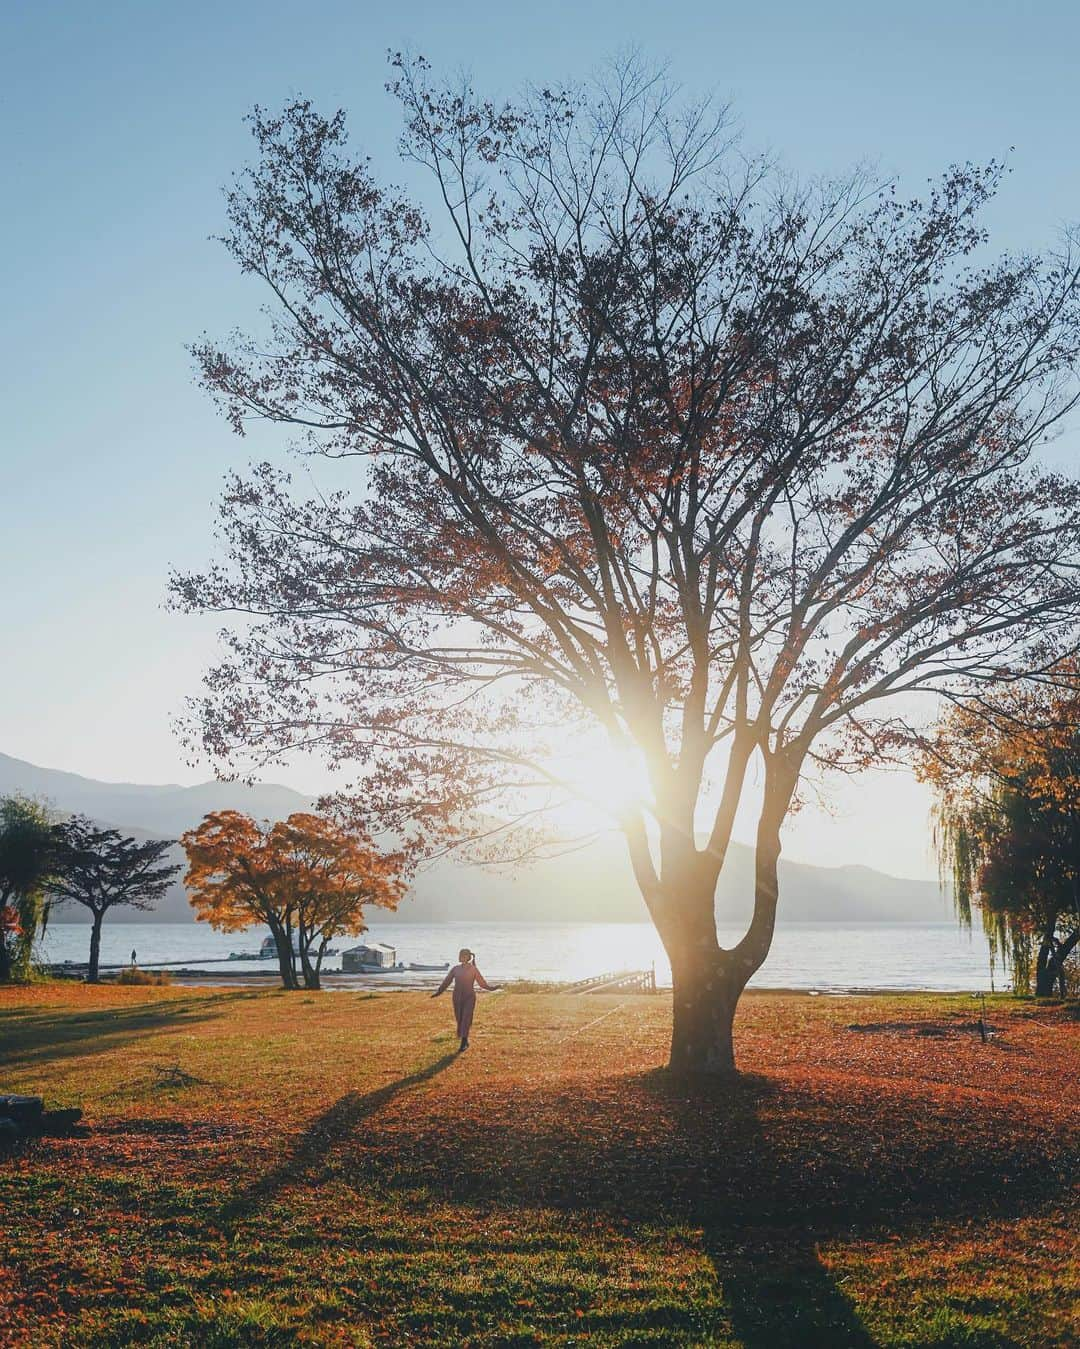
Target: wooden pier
617 981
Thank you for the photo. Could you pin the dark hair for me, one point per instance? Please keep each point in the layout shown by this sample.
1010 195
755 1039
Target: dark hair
465 954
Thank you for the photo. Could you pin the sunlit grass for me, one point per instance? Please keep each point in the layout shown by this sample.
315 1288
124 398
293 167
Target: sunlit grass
268 1168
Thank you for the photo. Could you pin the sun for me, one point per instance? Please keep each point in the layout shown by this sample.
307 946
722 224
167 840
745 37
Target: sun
610 777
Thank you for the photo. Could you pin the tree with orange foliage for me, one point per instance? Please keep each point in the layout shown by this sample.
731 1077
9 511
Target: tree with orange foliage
306 878
333 874
645 443
1006 773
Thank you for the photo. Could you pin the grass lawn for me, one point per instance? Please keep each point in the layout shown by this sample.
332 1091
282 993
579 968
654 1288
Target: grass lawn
275 1169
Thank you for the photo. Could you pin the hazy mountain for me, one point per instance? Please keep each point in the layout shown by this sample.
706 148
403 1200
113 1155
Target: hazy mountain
144 811
165 811
593 884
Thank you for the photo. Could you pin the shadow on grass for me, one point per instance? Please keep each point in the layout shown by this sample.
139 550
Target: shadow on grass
160 1080
774 1287
311 1159
43 1037
784 1296
768 1170
807 1167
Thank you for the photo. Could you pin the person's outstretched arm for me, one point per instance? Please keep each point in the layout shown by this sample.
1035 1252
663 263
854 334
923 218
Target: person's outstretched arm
444 985
483 982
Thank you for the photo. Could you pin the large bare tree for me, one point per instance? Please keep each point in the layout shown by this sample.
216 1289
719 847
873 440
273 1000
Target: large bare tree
642 436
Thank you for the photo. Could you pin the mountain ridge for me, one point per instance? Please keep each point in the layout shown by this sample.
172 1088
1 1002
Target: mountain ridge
593 884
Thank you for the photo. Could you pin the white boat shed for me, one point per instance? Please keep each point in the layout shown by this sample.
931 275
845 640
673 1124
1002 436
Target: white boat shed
376 956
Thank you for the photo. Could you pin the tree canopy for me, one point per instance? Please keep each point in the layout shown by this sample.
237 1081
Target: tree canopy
1006 772
102 868
28 845
306 878
643 437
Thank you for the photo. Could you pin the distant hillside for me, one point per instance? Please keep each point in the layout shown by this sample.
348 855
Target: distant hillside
591 885
165 811
595 884
145 811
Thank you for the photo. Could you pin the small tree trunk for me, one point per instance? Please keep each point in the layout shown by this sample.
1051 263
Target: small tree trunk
95 946
285 956
311 974
1057 956
5 954
291 949
1045 969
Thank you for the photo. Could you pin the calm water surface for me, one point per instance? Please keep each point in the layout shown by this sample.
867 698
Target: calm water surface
825 956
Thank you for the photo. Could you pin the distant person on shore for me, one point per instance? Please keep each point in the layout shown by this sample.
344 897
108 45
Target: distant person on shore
133 957
464 976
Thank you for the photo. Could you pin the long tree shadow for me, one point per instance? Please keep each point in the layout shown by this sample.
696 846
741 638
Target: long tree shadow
768 1170
774 1287
31 1037
781 1295
766 1205
311 1159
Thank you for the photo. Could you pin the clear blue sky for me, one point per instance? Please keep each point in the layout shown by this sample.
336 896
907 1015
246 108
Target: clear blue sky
119 124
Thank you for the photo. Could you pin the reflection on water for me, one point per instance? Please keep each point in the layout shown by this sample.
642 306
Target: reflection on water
804 955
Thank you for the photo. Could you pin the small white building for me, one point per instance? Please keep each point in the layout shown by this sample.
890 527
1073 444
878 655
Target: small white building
377 956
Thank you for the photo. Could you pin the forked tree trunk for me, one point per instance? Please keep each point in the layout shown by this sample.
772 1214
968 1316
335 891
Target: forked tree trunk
1050 965
283 942
708 981
310 971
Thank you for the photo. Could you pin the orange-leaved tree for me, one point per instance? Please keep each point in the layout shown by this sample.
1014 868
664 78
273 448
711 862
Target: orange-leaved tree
332 873
306 878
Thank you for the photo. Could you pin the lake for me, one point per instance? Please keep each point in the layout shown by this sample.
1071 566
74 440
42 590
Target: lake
829 957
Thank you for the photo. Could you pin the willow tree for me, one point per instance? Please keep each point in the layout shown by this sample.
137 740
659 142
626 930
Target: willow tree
28 848
630 434
1006 772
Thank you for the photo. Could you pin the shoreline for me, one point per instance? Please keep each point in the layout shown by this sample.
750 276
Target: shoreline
403 982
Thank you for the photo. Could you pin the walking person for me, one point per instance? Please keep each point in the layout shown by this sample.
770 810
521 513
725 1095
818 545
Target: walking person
464 976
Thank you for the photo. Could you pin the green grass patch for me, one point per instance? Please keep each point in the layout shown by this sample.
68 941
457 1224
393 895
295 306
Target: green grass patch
267 1168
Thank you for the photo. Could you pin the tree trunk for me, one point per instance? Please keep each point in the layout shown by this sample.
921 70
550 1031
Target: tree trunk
1050 965
707 981
1045 969
704 989
1045 973
95 946
283 944
5 954
704 998
311 974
